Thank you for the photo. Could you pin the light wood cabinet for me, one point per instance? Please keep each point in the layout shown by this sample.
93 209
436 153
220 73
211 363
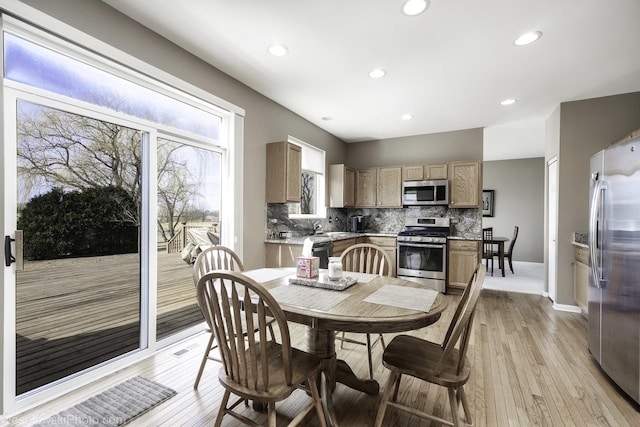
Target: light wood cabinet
581 277
339 246
465 185
342 186
463 258
389 244
284 169
366 187
282 255
389 192
436 171
424 172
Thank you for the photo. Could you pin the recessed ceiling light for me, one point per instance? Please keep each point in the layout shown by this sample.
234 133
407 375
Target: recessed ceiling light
527 38
406 117
415 7
509 101
278 50
377 73
326 118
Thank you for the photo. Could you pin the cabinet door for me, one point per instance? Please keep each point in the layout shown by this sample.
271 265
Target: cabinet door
349 187
389 187
463 259
366 187
342 188
413 173
581 278
284 169
464 185
294 172
282 255
436 171
389 244
340 246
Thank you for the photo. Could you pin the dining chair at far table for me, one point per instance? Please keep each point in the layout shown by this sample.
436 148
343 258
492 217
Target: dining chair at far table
255 368
508 255
436 363
210 259
487 247
372 259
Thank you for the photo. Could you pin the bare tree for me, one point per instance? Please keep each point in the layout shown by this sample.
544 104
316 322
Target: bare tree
307 193
61 149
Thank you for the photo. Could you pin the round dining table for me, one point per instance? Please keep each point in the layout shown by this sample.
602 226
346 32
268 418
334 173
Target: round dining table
376 304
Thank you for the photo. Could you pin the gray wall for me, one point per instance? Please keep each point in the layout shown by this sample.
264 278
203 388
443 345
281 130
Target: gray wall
519 200
461 145
585 127
265 121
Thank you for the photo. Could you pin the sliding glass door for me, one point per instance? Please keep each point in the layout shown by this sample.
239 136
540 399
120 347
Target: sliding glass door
79 222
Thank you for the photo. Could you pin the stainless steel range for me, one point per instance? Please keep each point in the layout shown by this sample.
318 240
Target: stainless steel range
422 251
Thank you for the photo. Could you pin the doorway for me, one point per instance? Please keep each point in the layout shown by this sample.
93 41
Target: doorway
552 175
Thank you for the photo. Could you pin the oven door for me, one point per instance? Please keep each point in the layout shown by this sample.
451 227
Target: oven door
425 260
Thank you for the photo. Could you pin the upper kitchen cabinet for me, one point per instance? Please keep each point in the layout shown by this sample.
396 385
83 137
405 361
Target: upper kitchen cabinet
284 169
464 185
366 187
342 186
389 187
424 172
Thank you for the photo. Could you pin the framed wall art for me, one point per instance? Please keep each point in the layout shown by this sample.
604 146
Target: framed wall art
488 202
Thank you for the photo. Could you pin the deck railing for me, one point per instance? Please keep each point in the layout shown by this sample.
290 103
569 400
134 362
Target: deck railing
179 240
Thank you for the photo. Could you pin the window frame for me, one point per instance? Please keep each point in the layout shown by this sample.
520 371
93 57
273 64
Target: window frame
320 184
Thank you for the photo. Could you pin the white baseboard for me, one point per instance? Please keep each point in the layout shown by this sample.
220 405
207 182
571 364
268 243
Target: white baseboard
545 294
567 307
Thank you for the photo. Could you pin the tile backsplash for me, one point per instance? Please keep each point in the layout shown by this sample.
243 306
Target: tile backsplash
465 223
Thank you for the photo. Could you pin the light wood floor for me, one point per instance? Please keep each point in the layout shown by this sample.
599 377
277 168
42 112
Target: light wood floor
530 367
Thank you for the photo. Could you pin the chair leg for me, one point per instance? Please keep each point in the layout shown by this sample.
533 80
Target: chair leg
204 360
272 415
465 406
510 265
397 387
384 399
453 402
369 356
313 385
342 341
223 408
384 346
273 336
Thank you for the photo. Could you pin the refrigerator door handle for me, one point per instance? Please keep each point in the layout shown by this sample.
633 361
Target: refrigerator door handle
596 221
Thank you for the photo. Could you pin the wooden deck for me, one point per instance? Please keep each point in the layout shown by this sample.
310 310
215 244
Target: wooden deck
72 314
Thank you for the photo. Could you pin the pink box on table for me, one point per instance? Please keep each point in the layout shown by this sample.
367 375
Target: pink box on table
308 267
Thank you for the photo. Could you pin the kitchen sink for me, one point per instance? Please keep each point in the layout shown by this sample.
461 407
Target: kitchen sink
336 234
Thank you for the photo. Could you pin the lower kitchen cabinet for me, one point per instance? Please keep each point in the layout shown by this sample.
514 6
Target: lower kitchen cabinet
340 246
463 258
581 277
388 243
282 255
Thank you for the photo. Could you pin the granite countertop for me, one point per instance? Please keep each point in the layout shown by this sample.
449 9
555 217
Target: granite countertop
327 237
463 238
581 240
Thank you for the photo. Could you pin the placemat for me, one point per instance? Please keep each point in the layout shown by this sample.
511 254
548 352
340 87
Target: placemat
404 297
312 298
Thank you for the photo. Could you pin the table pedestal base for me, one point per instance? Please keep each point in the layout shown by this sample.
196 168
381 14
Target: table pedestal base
322 344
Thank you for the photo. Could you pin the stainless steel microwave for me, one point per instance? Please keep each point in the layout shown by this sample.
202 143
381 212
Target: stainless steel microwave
434 192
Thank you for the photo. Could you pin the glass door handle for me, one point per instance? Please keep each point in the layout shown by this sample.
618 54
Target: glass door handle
18 258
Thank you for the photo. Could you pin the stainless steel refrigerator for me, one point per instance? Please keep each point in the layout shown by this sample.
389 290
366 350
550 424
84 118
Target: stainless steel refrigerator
614 282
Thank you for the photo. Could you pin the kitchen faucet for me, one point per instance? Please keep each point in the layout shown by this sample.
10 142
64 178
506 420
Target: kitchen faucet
316 226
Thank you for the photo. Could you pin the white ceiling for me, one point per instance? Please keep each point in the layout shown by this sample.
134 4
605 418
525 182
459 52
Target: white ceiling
449 67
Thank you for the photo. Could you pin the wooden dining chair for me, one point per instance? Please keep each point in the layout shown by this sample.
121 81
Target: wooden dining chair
436 363
211 259
372 259
253 368
487 247
509 253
